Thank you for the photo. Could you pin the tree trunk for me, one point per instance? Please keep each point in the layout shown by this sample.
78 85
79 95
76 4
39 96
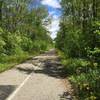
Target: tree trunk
94 9
1 2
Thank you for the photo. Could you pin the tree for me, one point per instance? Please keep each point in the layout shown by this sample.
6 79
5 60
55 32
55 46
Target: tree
23 26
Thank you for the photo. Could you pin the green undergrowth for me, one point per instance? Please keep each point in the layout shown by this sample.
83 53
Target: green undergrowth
17 47
8 62
84 76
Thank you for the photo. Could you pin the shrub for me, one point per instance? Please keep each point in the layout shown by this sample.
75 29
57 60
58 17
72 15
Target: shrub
75 65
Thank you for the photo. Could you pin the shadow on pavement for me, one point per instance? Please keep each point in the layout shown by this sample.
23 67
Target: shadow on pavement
25 70
6 90
50 68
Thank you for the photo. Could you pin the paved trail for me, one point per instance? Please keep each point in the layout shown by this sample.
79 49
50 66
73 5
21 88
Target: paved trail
41 78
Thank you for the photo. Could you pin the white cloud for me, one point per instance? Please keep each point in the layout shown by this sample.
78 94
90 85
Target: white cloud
53 35
51 13
54 27
52 3
56 17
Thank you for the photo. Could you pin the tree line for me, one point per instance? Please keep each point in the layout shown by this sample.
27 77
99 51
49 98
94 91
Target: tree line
79 41
22 28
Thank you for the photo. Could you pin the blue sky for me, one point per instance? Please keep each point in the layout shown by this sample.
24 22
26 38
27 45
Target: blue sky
53 7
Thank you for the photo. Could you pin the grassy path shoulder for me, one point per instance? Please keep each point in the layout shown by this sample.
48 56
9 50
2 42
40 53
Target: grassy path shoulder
83 76
8 62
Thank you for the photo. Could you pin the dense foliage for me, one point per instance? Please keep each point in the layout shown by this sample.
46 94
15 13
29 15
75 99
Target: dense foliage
79 40
22 30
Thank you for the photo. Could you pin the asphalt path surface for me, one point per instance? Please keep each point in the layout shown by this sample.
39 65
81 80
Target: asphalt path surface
41 78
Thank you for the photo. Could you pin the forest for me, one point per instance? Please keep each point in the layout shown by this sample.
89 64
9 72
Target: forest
23 35
78 42
22 31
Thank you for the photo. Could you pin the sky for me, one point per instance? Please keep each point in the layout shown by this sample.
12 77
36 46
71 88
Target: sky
53 7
